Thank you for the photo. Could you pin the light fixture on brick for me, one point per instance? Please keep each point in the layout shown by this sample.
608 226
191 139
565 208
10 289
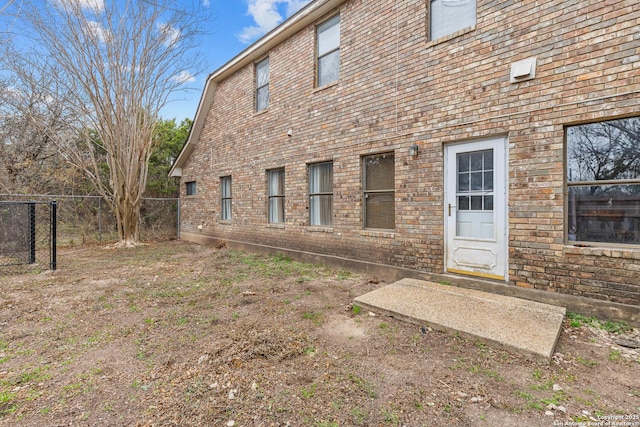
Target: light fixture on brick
413 150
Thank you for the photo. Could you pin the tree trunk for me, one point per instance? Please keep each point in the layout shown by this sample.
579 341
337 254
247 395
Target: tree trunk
128 221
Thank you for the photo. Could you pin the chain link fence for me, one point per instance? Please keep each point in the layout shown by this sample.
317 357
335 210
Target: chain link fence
89 219
28 234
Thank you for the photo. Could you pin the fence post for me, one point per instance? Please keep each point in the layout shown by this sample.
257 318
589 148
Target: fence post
178 229
100 220
54 233
32 232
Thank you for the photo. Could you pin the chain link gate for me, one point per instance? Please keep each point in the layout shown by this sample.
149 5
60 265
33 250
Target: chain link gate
27 230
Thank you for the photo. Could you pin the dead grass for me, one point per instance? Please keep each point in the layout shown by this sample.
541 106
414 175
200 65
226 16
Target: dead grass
177 334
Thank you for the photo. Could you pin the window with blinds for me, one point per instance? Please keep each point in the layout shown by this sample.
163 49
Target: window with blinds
379 191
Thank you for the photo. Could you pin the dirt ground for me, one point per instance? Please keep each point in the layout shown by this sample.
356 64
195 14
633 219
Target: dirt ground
176 334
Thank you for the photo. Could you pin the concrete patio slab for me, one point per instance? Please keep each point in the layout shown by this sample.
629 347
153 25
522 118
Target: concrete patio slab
529 327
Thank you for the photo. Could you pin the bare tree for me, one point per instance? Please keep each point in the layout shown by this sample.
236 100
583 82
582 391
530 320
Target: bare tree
110 67
29 162
604 151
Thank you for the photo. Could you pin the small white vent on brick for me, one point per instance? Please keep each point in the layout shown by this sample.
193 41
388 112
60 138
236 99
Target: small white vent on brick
523 70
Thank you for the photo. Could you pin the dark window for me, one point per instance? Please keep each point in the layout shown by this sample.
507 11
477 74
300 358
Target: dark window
191 188
603 182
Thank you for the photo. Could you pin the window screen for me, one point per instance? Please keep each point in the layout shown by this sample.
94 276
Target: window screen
379 191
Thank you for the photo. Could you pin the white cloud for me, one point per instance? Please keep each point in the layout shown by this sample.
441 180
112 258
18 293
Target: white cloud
206 3
184 77
97 5
170 35
295 5
97 30
266 15
93 5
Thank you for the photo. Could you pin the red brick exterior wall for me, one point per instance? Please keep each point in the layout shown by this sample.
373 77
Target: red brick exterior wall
397 88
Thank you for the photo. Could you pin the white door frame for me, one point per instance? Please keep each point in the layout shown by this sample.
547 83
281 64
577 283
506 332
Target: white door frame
481 257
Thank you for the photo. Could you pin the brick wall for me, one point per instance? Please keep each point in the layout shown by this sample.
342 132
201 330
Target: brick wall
397 88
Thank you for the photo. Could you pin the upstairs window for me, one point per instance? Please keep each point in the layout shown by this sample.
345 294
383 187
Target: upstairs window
190 188
275 184
321 194
603 182
262 85
225 196
328 48
379 191
449 16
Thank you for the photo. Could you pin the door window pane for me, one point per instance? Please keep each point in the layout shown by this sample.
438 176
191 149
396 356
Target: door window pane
475 176
488 203
463 162
476 181
474 214
488 181
463 203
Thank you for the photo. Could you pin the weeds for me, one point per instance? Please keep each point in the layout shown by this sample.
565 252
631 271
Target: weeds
309 392
358 415
488 372
390 417
344 274
36 375
615 355
279 266
314 316
367 387
6 405
586 362
577 320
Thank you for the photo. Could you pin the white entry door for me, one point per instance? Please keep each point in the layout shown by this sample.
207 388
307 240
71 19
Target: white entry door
476 208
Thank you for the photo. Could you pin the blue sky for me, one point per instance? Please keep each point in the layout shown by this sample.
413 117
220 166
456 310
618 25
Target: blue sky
233 26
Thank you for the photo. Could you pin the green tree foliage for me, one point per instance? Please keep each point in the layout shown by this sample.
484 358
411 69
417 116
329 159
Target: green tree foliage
170 137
